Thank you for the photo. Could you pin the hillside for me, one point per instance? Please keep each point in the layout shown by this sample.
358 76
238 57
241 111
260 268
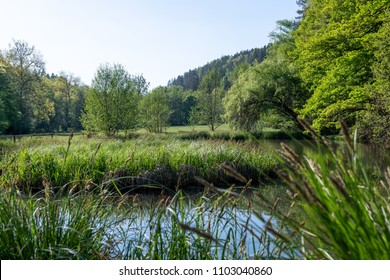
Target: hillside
190 80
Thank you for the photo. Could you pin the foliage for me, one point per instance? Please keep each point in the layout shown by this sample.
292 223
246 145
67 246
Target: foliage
112 101
25 66
155 110
335 55
209 101
180 102
162 160
240 103
33 101
374 122
69 95
5 98
225 65
347 208
272 86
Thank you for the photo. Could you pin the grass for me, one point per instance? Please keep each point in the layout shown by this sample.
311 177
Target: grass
225 132
347 209
334 208
80 163
74 198
45 228
99 225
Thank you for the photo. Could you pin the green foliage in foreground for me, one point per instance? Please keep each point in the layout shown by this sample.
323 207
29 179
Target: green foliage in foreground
44 228
100 226
347 210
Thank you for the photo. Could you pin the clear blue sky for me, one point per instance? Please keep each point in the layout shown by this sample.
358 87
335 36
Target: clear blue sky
160 39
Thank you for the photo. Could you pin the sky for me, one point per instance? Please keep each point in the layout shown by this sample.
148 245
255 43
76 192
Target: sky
159 39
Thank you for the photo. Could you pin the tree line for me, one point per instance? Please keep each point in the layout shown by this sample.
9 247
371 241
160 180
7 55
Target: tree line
32 100
329 63
191 80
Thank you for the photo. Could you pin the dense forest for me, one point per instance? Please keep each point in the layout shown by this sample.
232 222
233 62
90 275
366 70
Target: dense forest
226 65
329 63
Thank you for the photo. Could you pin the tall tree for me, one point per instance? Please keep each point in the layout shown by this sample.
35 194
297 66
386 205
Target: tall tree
272 86
335 56
4 98
374 123
209 99
242 106
112 101
68 89
176 101
27 67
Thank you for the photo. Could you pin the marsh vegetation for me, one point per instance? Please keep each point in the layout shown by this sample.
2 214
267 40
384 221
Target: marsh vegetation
80 198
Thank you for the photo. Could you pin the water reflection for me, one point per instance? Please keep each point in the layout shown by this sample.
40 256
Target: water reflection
239 232
371 156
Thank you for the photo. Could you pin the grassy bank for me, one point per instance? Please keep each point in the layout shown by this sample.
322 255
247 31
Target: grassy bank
80 163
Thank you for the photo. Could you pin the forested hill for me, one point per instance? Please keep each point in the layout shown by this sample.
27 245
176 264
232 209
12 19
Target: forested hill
225 65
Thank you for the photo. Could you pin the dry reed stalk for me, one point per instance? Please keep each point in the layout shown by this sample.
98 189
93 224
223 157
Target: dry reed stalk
233 173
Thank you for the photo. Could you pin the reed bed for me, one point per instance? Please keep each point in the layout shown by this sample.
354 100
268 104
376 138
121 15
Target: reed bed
67 200
44 227
81 163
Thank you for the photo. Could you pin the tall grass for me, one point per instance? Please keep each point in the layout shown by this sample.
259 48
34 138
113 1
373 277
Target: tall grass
337 210
100 226
45 227
347 210
85 163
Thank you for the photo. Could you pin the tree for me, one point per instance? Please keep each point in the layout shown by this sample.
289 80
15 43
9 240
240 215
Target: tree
374 123
209 100
155 110
335 56
26 69
272 86
68 86
68 96
140 84
43 105
180 103
112 101
175 96
4 98
241 104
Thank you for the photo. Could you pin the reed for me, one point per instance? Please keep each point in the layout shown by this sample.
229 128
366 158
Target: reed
46 227
67 199
100 225
82 163
347 210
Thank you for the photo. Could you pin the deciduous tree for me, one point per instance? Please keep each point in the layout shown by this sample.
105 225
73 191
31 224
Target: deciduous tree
25 71
112 101
155 110
209 99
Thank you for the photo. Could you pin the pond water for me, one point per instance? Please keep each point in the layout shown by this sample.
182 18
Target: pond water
225 229
238 230
370 155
